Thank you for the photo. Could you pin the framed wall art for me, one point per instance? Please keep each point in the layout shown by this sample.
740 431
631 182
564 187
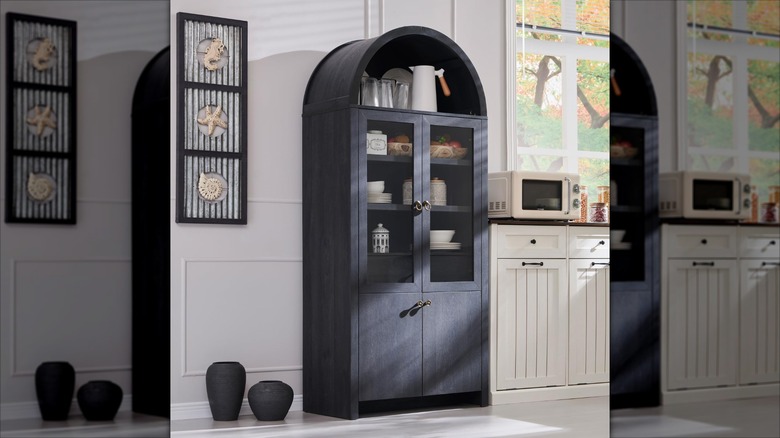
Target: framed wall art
211 180
40 120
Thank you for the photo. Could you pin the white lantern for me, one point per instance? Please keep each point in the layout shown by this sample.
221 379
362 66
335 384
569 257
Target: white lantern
380 239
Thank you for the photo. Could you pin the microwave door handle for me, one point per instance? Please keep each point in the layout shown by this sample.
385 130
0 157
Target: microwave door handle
568 193
739 198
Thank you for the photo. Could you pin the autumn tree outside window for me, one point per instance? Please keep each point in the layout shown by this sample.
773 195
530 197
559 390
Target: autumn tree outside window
731 92
561 79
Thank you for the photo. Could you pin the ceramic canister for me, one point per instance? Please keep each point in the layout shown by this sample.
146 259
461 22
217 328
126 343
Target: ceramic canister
408 190
438 192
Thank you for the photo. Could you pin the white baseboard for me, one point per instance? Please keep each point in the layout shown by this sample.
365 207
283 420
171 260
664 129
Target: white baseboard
712 394
190 411
548 394
23 410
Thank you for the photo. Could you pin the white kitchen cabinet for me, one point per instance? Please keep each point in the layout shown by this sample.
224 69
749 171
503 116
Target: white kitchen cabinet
703 325
549 312
531 323
720 311
588 321
759 306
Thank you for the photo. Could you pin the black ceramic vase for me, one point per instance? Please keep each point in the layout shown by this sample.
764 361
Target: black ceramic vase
225 384
99 400
270 400
54 383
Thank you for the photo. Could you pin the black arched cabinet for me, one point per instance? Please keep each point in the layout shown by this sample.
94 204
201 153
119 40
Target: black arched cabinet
635 275
406 326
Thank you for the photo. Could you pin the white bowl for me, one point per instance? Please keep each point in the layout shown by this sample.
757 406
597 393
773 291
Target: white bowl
616 235
441 236
376 186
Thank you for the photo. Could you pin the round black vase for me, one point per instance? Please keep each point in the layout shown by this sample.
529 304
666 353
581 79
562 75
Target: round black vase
54 383
99 400
270 400
225 384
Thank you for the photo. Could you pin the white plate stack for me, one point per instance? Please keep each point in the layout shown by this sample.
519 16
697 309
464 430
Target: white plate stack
445 246
375 195
441 240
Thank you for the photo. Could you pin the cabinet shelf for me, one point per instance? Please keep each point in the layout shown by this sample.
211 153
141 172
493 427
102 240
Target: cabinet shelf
408 160
406 208
628 162
390 254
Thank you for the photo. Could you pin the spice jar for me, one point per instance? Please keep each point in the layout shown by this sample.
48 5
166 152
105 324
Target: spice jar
753 204
774 194
769 213
406 190
598 212
380 240
603 194
583 204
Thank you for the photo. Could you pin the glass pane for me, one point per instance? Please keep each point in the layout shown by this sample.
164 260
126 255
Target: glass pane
710 101
541 163
593 17
711 13
542 195
545 13
712 195
451 195
764 16
539 101
764 96
763 174
390 223
593 173
711 163
592 105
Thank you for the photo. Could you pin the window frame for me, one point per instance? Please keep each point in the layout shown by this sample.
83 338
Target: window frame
570 52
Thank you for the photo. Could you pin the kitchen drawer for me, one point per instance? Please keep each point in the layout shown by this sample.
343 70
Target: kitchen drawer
700 241
759 242
523 241
588 242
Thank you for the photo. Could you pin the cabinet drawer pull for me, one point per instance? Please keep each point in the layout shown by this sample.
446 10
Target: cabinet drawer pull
772 242
703 263
599 263
770 264
601 242
533 241
703 241
533 263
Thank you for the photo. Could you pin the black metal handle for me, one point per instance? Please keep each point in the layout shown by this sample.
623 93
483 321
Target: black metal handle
533 263
599 263
773 242
703 241
533 241
601 242
703 263
770 264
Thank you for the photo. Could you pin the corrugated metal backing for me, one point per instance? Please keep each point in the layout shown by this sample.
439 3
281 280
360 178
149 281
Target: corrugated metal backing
57 74
27 208
195 206
194 33
229 141
24 139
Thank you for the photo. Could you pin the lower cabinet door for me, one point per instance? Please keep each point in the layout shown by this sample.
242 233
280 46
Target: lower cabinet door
759 322
451 342
703 312
588 321
532 320
390 346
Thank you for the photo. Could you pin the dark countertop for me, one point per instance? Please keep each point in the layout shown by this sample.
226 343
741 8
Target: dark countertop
553 223
680 221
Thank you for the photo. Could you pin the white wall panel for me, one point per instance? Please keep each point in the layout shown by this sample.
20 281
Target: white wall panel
436 14
72 310
251 321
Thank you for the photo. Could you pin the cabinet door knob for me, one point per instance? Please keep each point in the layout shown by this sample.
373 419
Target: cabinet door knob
601 242
703 241
426 303
533 241
417 206
772 242
426 205
418 304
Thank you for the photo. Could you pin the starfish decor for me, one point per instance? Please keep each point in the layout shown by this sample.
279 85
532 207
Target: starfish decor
42 120
212 120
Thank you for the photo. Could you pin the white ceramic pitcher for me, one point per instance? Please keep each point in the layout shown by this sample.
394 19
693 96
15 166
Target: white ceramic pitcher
423 88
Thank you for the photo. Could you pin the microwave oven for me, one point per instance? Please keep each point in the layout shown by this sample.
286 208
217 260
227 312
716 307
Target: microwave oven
704 195
534 195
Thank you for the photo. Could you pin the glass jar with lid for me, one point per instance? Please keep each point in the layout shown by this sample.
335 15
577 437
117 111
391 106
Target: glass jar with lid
583 204
599 212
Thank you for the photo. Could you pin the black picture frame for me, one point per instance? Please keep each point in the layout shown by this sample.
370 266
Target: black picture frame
40 120
211 156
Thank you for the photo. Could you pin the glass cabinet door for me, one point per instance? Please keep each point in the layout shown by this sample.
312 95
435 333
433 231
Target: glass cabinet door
390 201
450 202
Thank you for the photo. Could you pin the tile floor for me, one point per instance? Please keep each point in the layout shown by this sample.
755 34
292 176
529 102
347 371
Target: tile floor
124 425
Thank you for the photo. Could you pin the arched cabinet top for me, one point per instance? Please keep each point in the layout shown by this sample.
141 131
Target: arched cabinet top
335 81
637 93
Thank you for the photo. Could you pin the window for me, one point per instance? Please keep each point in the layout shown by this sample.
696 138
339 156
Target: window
561 78
732 95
